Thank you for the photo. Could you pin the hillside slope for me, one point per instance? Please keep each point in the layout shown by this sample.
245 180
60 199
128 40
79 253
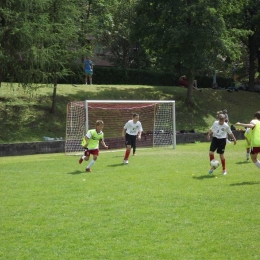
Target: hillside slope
25 115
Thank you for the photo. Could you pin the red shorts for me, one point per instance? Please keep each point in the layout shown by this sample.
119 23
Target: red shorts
184 83
255 150
93 152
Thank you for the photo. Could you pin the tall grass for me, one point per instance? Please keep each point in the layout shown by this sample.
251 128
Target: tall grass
163 205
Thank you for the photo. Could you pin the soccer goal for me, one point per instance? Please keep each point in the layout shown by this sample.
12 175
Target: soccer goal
157 118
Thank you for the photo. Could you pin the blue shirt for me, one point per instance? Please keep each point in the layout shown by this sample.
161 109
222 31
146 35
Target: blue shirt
88 65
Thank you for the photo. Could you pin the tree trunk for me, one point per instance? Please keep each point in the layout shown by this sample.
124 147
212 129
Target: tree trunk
189 97
1 76
252 52
258 60
54 95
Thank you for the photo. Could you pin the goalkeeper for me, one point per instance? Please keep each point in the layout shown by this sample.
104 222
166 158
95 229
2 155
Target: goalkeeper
91 144
132 129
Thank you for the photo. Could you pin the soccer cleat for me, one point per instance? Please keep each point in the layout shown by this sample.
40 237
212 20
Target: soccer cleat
88 170
80 160
134 154
224 172
125 161
211 170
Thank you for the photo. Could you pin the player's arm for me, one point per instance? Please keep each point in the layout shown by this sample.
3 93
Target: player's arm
103 143
123 132
233 137
139 135
251 125
209 133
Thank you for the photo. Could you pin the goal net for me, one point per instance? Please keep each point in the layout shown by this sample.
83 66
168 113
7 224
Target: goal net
157 118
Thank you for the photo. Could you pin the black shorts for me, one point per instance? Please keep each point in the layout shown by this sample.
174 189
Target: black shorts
218 144
130 140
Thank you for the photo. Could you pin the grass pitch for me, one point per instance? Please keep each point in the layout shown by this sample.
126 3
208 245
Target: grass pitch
163 205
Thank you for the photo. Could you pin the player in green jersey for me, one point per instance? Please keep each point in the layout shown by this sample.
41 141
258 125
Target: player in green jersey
91 144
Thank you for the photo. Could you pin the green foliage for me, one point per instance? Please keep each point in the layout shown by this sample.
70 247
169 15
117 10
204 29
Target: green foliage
163 205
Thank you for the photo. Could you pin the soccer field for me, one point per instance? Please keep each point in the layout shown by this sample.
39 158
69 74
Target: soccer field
162 205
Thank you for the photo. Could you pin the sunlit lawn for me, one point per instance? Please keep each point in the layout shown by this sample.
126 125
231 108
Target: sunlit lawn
163 205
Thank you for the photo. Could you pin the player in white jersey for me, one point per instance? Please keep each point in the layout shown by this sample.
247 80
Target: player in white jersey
132 129
220 129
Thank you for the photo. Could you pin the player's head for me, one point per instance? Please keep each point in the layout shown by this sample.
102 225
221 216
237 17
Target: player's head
99 125
135 117
219 112
221 117
257 115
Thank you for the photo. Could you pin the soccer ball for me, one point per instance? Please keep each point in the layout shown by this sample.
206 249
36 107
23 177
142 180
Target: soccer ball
214 163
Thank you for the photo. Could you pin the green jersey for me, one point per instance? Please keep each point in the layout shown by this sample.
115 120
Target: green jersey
255 134
94 138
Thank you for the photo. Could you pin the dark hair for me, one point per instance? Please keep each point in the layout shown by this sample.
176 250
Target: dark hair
135 114
257 115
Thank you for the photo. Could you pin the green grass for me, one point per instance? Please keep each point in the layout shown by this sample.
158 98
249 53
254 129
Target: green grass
27 112
163 205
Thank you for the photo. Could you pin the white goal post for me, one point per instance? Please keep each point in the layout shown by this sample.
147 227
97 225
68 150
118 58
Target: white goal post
157 118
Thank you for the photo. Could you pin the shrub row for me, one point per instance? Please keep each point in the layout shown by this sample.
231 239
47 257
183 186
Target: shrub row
111 75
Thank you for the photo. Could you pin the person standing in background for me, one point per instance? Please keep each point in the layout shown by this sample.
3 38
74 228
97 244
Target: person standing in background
88 68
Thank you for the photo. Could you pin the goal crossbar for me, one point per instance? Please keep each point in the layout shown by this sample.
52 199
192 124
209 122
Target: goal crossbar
156 116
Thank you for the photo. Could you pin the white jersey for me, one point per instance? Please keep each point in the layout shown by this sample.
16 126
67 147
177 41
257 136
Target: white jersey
220 131
133 128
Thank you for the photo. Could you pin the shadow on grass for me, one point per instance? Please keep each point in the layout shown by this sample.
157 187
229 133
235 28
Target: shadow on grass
244 162
115 165
204 177
245 183
75 172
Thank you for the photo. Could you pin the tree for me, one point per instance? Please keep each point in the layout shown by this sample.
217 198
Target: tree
190 33
39 41
249 19
116 32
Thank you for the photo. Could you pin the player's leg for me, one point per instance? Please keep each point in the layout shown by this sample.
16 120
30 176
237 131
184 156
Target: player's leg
92 162
223 163
247 153
254 153
220 151
85 157
134 146
212 149
128 143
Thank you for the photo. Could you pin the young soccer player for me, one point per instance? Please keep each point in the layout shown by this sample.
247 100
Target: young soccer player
255 137
248 142
132 129
220 129
91 144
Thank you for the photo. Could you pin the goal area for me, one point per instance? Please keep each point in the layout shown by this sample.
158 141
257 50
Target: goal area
157 118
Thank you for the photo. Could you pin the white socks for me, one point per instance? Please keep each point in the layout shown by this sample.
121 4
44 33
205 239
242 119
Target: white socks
92 162
257 164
